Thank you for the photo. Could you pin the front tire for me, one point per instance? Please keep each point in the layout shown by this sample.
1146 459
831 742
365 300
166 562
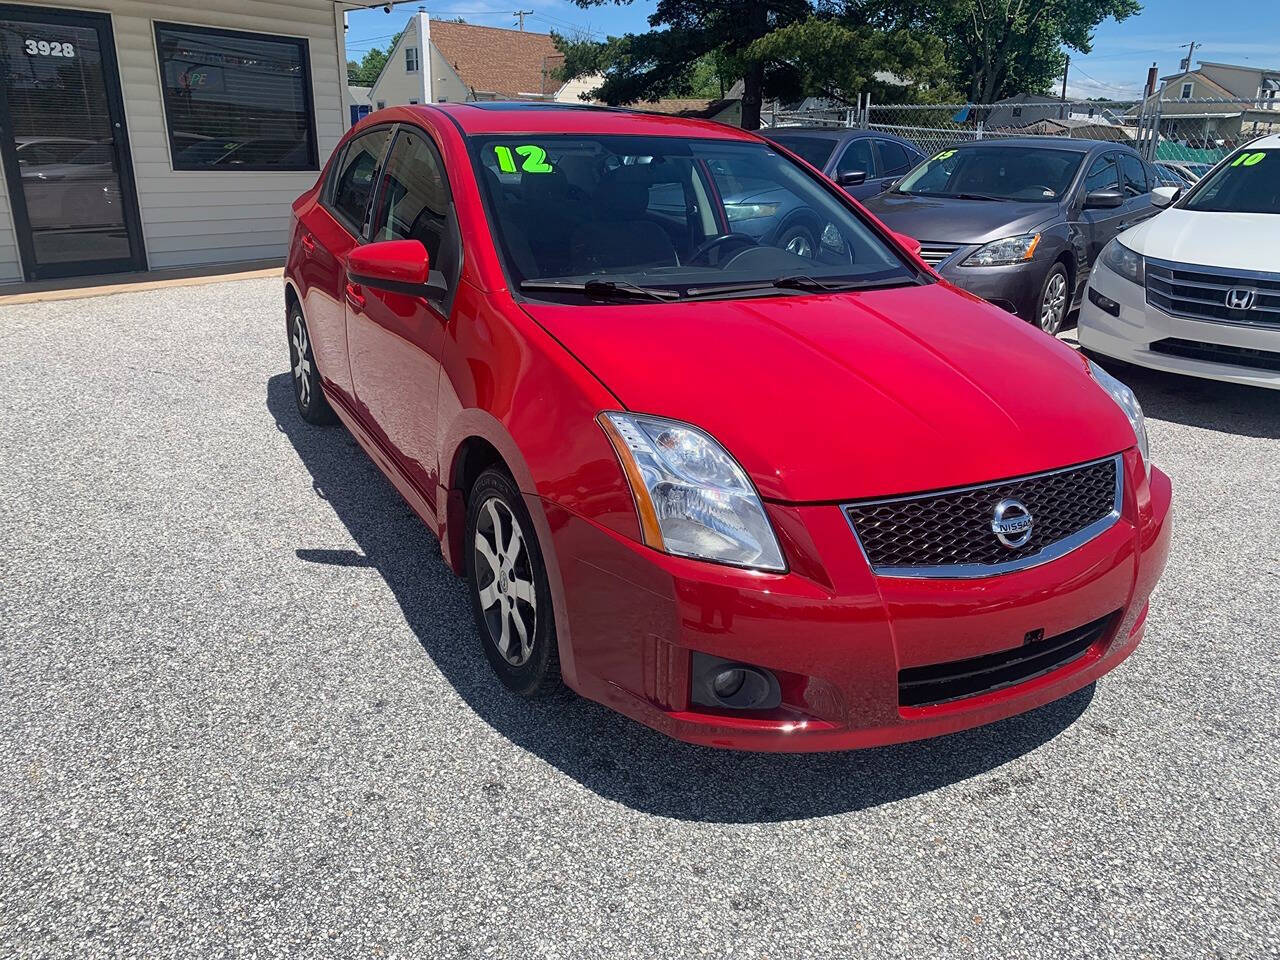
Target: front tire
798 239
1055 301
313 406
510 596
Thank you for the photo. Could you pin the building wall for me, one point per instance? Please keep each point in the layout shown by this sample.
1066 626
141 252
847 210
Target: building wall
1241 81
395 85
198 217
573 90
446 85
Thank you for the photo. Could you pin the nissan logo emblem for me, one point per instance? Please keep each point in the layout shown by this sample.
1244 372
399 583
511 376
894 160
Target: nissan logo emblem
1011 523
1241 298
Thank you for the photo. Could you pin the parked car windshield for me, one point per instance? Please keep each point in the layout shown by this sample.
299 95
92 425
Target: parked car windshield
670 213
1004 171
815 150
1249 183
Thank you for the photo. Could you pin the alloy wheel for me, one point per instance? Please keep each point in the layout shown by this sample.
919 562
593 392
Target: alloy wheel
1053 308
504 578
800 246
301 361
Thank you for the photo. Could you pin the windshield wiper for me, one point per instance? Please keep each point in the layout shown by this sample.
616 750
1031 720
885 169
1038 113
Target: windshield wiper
800 282
603 289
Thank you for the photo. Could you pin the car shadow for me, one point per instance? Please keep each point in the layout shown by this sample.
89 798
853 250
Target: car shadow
609 754
1209 404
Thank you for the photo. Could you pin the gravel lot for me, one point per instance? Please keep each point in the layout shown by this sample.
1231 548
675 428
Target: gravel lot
243 712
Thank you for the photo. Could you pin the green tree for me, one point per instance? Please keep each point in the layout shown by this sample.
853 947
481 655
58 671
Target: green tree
996 48
365 72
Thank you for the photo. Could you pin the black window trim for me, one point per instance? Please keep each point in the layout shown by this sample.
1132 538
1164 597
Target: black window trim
360 232
309 100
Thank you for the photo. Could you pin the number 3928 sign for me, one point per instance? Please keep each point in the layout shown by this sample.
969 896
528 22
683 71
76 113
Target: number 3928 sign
49 48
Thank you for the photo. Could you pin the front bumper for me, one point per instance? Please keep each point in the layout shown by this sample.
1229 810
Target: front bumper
1013 286
835 634
1129 336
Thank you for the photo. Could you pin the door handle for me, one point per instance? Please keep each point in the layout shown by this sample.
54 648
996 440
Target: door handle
354 297
308 245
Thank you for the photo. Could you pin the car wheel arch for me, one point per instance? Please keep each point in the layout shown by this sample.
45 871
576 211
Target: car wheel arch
480 441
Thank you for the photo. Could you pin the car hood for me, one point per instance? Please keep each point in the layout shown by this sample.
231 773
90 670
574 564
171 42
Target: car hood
946 220
1245 241
839 397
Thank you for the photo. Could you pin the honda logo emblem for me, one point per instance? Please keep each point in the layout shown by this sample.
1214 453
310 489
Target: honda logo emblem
1241 298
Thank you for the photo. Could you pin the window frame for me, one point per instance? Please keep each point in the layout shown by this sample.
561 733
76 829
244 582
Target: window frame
1188 88
360 232
312 163
417 60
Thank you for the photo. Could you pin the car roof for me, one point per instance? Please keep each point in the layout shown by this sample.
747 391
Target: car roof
1271 140
501 117
1048 143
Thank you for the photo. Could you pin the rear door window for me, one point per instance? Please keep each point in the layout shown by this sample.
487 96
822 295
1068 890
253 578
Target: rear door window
354 177
894 158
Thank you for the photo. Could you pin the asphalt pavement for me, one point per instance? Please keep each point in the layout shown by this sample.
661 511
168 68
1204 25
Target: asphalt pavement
243 712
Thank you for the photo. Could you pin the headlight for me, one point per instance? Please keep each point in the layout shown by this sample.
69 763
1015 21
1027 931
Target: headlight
749 211
1125 399
1118 258
692 497
1008 250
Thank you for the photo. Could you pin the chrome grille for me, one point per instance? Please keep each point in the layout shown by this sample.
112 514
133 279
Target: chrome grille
934 253
948 533
1200 293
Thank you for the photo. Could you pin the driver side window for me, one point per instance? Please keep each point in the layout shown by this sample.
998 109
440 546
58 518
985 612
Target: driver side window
1103 175
857 156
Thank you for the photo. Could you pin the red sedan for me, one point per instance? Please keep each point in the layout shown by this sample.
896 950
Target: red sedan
750 495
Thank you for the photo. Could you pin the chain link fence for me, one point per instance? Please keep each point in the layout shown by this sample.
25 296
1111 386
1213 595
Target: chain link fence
1197 133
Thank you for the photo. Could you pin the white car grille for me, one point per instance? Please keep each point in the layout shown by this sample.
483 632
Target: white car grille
1216 294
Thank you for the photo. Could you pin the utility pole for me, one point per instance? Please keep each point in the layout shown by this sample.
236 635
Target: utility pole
1064 85
1191 49
521 14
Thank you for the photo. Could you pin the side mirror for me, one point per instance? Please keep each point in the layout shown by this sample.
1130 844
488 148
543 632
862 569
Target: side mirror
1103 200
852 178
398 266
909 242
1163 196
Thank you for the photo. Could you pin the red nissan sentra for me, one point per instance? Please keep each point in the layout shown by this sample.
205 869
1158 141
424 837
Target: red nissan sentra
751 492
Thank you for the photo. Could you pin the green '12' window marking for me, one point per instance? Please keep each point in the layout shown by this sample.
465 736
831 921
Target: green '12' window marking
533 159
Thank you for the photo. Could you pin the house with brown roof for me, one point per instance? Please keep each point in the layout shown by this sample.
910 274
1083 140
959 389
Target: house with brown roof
1216 103
465 61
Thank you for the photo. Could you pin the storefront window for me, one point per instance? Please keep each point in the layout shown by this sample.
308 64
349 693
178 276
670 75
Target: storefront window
236 101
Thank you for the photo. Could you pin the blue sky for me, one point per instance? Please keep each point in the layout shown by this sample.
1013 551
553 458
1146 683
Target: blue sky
1238 33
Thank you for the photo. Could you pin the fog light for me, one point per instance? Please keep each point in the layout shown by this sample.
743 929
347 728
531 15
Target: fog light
728 682
1104 303
721 683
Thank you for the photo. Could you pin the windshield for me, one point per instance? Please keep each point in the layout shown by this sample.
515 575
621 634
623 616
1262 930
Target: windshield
815 150
669 213
1005 171
1248 183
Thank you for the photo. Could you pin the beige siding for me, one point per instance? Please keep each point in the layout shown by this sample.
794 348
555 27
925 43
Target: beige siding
10 263
396 86
189 217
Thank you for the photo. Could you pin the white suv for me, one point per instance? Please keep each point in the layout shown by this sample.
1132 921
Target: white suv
1196 290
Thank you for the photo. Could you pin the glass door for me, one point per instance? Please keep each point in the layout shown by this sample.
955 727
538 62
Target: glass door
63 144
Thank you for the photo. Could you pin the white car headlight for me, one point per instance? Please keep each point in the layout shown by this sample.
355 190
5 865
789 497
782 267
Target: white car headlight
1128 402
692 498
749 211
1119 259
1008 250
